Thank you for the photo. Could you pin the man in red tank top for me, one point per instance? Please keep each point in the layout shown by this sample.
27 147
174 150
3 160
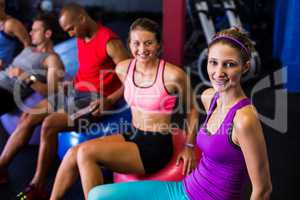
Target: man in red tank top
99 50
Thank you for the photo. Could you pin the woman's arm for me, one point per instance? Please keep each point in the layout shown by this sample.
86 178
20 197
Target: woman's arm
248 134
106 103
178 79
116 50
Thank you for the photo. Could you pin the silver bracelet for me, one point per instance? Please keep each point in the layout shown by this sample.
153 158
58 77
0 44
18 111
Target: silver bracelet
189 145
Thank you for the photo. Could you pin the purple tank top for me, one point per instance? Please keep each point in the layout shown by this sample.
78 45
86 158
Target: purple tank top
221 172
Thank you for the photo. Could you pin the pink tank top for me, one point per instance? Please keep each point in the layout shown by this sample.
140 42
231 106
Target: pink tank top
154 98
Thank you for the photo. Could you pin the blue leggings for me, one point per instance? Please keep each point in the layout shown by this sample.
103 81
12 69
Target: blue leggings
148 190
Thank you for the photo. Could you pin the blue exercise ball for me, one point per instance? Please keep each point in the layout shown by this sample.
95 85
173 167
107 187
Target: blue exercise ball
118 122
67 51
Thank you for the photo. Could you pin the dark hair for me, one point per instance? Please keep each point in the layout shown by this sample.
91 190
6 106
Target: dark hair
147 25
2 5
237 39
50 22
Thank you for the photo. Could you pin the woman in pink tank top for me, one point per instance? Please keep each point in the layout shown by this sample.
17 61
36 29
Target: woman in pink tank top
151 87
230 138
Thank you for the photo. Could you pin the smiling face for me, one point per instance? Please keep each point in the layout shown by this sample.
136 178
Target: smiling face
143 45
225 67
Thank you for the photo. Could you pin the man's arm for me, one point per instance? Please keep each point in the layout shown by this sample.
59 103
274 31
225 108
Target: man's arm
116 50
55 74
15 28
108 102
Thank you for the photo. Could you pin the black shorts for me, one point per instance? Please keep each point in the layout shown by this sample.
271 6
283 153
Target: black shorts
155 148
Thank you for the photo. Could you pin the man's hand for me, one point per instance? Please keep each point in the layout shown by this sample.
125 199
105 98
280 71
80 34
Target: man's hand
17 72
100 105
84 111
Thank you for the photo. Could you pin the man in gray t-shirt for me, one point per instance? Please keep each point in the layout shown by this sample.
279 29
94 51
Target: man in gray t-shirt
34 69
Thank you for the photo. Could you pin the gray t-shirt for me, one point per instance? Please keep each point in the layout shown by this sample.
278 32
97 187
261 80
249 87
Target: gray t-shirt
30 62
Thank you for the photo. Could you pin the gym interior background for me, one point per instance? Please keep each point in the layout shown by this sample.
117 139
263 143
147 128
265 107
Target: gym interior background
274 85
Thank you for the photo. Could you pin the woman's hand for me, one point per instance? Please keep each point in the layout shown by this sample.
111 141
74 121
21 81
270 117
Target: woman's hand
188 157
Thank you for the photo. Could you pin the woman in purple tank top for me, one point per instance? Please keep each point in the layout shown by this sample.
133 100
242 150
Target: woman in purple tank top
230 138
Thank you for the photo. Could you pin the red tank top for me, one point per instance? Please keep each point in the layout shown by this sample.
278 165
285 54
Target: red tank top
96 71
